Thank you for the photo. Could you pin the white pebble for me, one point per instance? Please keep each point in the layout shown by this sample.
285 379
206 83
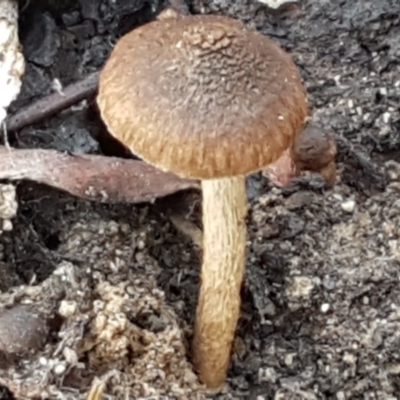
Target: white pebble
276 3
340 396
67 308
348 206
70 355
7 225
325 307
386 117
337 196
289 359
43 361
267 375
59 369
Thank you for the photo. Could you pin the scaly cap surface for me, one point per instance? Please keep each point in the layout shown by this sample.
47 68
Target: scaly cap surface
202 96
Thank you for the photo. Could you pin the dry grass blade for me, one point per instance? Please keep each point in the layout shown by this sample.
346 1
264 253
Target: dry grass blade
96 391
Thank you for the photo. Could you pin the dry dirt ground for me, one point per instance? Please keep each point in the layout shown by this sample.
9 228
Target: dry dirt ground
117 285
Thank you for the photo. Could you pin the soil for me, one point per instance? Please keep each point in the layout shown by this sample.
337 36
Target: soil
116 285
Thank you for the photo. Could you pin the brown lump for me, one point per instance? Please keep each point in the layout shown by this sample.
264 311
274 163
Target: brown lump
315 150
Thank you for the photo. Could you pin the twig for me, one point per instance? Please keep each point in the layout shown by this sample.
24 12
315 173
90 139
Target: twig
99 178
53 103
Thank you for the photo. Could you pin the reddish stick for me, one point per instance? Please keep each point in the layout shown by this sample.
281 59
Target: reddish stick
104 179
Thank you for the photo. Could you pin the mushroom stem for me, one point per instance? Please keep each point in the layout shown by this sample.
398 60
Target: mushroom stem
224 248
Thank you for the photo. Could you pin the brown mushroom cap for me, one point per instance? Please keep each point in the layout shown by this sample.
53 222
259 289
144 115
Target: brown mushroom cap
202 96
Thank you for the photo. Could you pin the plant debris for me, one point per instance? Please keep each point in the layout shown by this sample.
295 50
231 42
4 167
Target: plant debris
104 179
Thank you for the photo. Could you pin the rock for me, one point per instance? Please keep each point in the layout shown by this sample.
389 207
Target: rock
348 206
22 331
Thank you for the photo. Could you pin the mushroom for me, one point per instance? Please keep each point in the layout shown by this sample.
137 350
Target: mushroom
207 98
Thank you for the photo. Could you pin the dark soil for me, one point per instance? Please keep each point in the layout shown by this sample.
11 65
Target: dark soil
321 300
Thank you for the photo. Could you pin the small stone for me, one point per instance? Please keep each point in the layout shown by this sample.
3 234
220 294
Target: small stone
267 375
328 283
340 396
299 200
348 206
22 330
300 286
43 361
275 4
71 357
7 225
8 202
337 196
325 307
386 117
130 290
59 369
289 359
67 308
349 358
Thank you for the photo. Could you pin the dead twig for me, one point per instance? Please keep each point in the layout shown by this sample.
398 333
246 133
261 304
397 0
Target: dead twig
53 103
99 178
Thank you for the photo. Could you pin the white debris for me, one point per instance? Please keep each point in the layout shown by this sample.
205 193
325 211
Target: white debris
7 225
59 369
67 308
383 91
12 63
8 207
267 375
325 307
275 4
348 206
300 286
8 203
350 103
386 117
